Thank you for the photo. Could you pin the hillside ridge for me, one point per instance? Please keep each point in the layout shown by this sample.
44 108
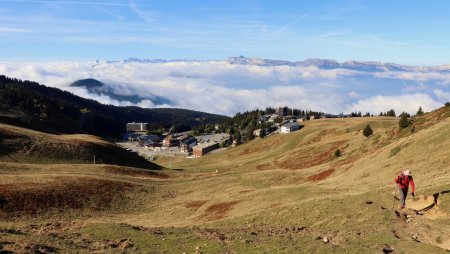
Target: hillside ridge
56 111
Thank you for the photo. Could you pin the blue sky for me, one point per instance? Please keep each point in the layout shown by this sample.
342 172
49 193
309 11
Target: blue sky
407 32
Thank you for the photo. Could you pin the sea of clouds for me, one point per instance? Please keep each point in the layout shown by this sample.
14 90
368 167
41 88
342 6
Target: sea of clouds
225 88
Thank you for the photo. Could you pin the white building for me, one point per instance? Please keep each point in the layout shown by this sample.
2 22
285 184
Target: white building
136 127
289 127
272 118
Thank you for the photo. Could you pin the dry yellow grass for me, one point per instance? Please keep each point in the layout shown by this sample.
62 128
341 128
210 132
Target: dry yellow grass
21 145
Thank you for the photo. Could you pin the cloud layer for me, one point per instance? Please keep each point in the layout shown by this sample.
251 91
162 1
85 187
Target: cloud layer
225 88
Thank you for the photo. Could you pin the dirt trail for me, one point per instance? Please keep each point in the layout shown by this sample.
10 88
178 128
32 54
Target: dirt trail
425 203
421 203
421 220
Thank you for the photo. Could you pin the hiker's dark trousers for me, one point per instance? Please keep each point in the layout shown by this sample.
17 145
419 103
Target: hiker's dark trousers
403 194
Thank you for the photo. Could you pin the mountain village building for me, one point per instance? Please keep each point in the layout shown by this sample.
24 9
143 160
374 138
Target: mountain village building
137 127
204 148
289 127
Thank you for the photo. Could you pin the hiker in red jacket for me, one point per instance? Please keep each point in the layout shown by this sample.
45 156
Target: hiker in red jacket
403 181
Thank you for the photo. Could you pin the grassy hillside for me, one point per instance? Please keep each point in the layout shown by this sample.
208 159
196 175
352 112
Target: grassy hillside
52 110
280 194
21 145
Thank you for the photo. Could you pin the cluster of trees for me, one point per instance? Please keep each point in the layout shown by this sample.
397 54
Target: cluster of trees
390 112
404 122
359 114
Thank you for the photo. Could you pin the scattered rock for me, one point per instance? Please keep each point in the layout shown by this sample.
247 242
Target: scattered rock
158 232
138 228
387 249
409 218
121 244
395 234
415 237
325 239
11 231
125 244
37 248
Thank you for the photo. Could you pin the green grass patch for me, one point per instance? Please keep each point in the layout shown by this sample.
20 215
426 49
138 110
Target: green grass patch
376 138
395 151
447 114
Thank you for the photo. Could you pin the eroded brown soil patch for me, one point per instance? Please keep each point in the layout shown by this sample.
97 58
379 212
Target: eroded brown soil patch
246 191
219 211
322 175
255 149
196 204
304 159
347 161
265 166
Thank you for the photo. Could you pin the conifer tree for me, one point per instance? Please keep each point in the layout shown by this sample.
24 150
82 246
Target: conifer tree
420 111
367 132
262 133
403 123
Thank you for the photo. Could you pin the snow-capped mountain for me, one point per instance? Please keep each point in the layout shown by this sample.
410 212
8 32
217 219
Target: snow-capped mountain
332 64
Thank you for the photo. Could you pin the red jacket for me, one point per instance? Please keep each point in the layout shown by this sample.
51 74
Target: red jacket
404 181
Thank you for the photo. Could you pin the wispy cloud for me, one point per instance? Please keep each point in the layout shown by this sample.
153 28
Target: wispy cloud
115 15
292 23
14 30
66 2
143 14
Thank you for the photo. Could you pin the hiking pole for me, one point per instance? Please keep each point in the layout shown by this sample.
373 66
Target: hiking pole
393 202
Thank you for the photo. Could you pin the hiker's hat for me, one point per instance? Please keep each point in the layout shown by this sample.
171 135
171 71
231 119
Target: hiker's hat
407 172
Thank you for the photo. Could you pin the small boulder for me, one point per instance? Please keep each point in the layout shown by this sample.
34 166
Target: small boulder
387 249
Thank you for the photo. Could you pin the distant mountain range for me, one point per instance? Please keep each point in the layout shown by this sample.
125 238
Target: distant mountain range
333 64
370 66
